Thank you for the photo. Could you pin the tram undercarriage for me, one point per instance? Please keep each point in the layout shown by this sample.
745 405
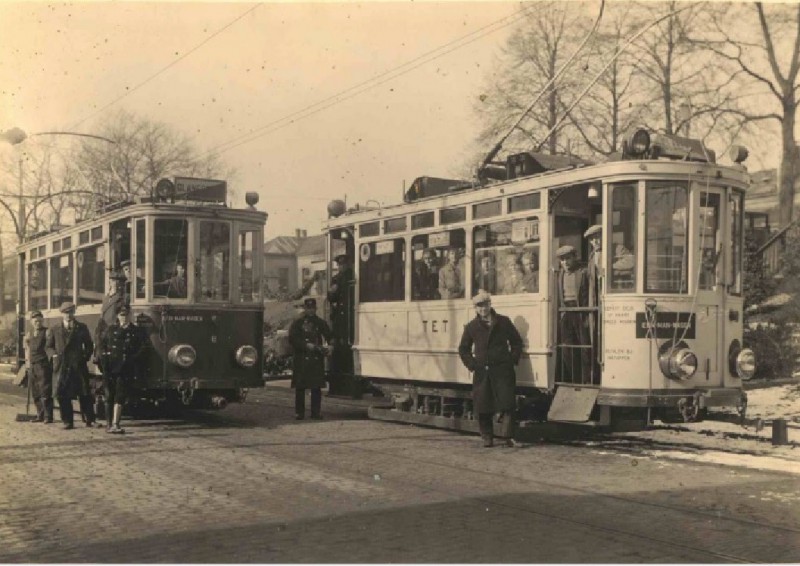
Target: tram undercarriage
592 407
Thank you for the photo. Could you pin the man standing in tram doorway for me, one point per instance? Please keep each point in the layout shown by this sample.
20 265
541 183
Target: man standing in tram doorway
70 345
341 298
306 336
497 349
573 291
112 303
39 369
122 345
594 272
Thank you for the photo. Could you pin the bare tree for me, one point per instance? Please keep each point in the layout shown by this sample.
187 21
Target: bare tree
764 53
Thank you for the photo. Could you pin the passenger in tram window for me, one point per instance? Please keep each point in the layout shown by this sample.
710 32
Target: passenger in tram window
175 286
490 347
485 274
622 268
126 271
573 291
451 276
425 284
308 336
530 272
513 281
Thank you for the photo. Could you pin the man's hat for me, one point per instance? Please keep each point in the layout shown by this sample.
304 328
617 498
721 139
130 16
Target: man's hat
593 231
310 302
36 314
123 309
481 297
564 251
125 263
66 307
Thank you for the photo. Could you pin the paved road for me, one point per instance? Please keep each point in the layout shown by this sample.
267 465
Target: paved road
249 484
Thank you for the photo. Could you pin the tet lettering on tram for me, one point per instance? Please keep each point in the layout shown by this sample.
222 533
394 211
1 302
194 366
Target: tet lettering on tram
435 325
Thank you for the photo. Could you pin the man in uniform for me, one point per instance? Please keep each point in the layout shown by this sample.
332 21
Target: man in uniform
175 286
70 345
127 273
497 349
122 345
573 291
112 302
306 335
39 370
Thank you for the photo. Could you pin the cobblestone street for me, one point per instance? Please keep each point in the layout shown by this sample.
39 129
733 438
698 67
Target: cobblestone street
251 485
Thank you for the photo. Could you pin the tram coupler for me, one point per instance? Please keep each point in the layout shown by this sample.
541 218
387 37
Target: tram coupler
186 390
218 402
689 407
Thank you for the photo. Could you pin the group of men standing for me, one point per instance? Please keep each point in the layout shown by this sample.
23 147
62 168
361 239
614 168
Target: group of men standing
64 349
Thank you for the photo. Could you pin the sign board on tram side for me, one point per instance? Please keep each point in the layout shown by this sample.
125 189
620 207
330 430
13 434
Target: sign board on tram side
667 325
201 189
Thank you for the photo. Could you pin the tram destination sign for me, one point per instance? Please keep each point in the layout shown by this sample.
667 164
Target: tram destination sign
667 325
211 190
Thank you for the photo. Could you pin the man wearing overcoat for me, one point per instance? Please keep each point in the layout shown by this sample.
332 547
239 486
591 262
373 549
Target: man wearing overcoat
306 336
122 345
40 372
70 346
490 348
341 298
112 303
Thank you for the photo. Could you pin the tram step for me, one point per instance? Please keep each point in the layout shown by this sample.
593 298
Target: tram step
573 404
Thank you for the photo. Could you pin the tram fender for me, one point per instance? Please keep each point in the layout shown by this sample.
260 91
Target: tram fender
573 404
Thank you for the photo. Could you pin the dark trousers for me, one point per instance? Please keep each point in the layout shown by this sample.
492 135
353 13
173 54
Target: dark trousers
42 389
86 403
576 362
486 424
300 401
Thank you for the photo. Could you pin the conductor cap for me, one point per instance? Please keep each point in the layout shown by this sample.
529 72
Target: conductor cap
593 231
565 251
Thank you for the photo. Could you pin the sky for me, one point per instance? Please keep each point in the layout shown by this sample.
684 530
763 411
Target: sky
220 71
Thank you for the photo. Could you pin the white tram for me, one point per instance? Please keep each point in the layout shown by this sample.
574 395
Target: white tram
669 311
205 336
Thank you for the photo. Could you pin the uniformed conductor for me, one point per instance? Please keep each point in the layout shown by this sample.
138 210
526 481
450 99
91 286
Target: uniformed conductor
497 349
70 345
40 372
306 335
122 345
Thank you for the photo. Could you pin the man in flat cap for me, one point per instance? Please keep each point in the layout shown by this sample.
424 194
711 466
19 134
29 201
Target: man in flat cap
594 272
573 292
127 272
121 348
40 372
307 336
70 346
490 347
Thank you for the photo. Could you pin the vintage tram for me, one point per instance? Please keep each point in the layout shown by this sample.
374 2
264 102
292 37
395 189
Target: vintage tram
205 334
667 322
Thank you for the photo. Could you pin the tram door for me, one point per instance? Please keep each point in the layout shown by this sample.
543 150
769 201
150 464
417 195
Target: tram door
575 306
341 300
711 284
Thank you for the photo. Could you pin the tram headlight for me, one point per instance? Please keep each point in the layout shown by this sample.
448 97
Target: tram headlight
639 142
679 363
746 364
246 356
182 355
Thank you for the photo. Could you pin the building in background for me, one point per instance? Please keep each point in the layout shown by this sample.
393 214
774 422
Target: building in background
280 264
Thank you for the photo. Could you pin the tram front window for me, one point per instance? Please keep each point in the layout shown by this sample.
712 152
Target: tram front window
666 224
709 251
622 256
169 258
215 258
736 216
248 285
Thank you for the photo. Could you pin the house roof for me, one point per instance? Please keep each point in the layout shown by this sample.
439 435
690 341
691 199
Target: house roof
282 245
313 245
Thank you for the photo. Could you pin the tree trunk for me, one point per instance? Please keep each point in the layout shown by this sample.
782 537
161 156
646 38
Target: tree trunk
788 168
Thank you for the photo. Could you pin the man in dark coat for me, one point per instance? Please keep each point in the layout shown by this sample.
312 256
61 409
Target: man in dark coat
497 349
39 370
574 291
70 345
341 297
425 277
306 335
121 348
112 302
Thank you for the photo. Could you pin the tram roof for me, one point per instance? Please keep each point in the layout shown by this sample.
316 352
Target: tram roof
611 171
146 207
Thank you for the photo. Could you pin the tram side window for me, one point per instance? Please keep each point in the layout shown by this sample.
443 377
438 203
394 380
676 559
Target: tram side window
215 258
91 275
61 280
622 256
438 266
248 285
141 257
736 243
506 257
666 225
37 285
169 257
382 271
709 231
